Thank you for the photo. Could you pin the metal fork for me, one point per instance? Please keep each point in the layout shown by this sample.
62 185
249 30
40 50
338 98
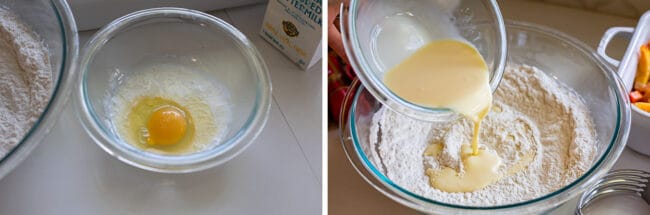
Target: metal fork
617 182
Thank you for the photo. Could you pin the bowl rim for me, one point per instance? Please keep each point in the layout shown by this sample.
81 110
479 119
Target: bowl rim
227 149
645 114
376 87
60 93
600 167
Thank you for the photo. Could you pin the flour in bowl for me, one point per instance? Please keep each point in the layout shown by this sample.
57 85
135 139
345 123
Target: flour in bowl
541 130
25 80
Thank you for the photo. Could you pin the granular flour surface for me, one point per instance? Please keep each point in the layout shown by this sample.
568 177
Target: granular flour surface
541 129
25 80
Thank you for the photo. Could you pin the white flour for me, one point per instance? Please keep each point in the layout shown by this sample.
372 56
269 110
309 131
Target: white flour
532 114
25 80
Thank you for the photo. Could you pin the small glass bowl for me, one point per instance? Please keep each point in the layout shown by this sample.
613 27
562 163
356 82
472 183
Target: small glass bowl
54 24
561 57
185 37
379 34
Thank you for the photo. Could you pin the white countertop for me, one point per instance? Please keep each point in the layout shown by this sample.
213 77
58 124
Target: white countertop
280 173
350 194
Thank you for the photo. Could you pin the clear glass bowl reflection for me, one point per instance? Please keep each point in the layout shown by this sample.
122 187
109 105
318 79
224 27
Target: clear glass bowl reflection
54 24
183 37
404 26
560 56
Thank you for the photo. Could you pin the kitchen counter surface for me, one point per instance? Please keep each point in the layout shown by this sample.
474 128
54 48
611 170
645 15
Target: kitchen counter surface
350 194
280 173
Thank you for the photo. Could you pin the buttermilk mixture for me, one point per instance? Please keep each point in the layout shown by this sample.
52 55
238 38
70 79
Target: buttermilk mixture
540 133
25 80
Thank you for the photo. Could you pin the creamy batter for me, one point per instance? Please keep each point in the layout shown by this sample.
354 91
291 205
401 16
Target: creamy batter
541 130
450 74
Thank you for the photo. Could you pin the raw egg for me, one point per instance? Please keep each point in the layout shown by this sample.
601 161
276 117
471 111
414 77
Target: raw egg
161 123
167 125
168 109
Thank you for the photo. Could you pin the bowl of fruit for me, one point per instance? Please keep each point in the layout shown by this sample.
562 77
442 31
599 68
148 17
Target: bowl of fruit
634 70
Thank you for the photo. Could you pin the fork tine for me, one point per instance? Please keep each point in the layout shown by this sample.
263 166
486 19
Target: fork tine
603 193
627 175
629 172
621 188
639 184
596 195
625 181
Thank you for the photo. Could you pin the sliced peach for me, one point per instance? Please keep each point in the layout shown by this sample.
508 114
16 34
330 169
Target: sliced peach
643 68
643 106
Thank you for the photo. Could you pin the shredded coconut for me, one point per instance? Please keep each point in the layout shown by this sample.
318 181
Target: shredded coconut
533 116
25 80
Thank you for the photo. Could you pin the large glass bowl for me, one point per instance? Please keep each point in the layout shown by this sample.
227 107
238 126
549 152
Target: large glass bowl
54 24
561 57
379 34
188 38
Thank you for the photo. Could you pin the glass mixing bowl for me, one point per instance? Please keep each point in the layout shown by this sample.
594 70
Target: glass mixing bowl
561 57
54 24
188 38
379 34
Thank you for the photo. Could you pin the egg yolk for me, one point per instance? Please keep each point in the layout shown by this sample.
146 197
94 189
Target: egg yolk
166 126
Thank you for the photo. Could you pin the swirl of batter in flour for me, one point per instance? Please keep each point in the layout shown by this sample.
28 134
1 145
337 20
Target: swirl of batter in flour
25 80
541 129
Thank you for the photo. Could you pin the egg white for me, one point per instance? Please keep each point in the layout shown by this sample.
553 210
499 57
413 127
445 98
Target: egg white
181 85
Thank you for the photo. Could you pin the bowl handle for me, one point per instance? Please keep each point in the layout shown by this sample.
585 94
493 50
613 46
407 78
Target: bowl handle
347 102
607 37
